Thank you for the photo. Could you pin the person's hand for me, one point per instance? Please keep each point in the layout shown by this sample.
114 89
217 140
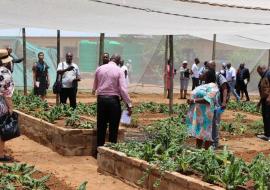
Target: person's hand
258 107
223 106
70 68
10 110
268 100
93 92
129 109
190 101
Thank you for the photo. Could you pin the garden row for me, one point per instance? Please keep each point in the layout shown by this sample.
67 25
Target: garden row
166 149
23 176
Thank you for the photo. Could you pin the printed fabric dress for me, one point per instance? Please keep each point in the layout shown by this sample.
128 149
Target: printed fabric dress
6 88
200 116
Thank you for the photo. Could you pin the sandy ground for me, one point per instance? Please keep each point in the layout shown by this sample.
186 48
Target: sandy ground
74 170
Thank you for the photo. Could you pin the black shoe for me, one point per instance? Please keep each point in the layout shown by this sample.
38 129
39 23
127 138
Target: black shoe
6 159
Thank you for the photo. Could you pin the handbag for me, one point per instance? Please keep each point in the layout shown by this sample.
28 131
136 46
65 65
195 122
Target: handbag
57 86
9 127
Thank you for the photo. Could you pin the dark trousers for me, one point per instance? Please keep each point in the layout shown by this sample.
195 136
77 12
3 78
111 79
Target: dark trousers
242 87
266 118
108 112
195 82
70 93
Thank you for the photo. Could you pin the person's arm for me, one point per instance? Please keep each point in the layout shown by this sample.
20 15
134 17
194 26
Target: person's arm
225 94
124 92
17 60
9 103
125 73
248 75
34 75
95 84
198 101
62 71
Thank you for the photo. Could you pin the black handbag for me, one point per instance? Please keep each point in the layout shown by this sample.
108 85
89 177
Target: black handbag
9 126
57 86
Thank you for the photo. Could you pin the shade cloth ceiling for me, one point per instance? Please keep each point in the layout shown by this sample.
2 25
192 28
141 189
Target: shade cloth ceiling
242 23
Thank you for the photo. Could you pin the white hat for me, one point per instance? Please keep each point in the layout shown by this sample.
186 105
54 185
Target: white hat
4 57
224 64
185 62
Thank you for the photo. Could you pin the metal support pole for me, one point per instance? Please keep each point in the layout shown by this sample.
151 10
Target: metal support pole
101 48
214 47
24 63
171 74
58 60
269 59
165 65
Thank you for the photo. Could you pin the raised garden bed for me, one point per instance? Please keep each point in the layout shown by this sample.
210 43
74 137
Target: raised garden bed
132 169
65 141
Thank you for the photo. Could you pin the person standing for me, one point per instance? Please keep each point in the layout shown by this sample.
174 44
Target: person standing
41 79
195 73
231 78
70 76
224 69
105 58
184 79
264 103
6 92
125 70
168 78
202 70
109 85
242 80
14 60
201 112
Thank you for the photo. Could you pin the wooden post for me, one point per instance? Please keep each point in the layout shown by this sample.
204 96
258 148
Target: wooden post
269 59
58 61
165 65
24 63
171 74
101 48
214 47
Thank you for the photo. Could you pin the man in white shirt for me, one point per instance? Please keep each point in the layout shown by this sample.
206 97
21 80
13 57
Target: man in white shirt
231 78
125 70
195 73
70 76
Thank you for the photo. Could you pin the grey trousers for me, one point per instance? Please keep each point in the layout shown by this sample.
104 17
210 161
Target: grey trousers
232 89
215 128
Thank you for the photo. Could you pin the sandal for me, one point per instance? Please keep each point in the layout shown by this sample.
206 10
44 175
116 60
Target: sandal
6 159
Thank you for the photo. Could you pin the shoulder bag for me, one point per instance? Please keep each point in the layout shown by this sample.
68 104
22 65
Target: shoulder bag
57 86
9 127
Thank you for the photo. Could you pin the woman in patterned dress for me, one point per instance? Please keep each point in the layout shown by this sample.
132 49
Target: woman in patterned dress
6 91
201 111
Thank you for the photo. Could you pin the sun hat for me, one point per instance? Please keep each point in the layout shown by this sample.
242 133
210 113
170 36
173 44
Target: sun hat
4 57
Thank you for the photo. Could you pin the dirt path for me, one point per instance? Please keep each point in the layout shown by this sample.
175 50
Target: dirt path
74 170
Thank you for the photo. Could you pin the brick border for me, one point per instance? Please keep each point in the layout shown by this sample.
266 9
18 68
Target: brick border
132 169
67 142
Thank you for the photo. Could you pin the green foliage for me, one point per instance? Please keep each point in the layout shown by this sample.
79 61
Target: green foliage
82 186
260 172
250 107
20 175
159 108
239 126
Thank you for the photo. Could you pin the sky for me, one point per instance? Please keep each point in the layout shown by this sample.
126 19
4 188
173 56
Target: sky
36 32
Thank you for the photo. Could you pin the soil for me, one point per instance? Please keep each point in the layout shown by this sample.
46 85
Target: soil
74 170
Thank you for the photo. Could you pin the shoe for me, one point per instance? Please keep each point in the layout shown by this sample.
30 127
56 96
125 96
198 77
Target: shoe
263 137
6 159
